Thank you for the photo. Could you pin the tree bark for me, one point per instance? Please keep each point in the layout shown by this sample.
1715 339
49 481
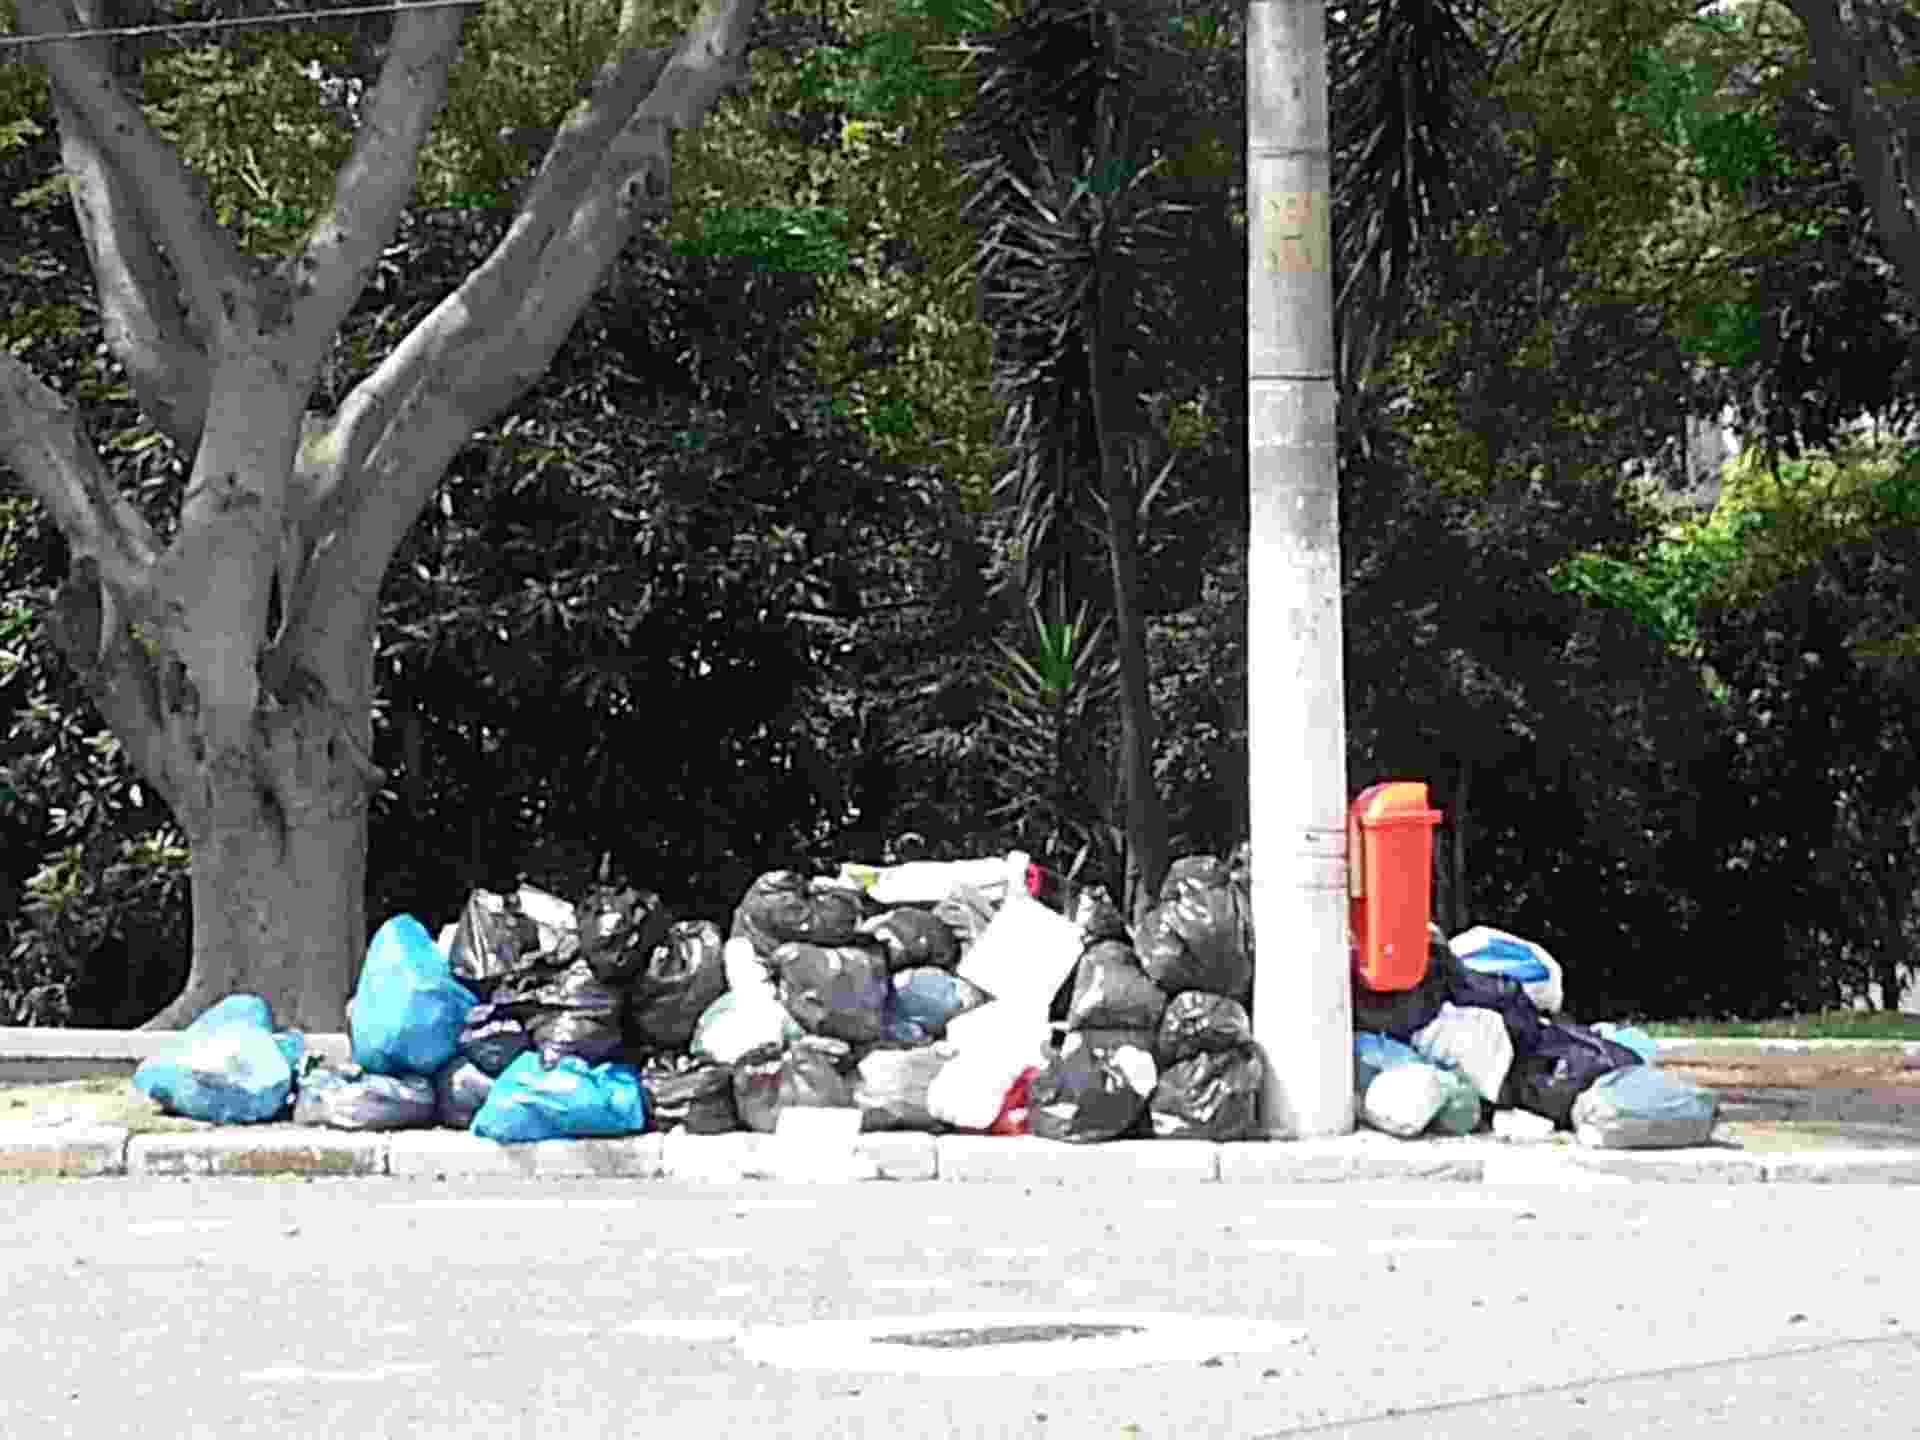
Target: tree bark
1296 715
1860 70
1146 813
260 743
279 874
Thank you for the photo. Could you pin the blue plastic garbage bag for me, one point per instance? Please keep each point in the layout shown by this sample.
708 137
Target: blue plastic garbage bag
1373 1054
293 1045
573 1100
1641 1108
226 1067
1634 1038
408 1008
1504 955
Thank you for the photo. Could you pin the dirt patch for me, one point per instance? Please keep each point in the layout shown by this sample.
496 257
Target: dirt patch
1794 1102
88 1102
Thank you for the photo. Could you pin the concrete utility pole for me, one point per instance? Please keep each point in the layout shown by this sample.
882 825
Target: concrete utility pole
1296 699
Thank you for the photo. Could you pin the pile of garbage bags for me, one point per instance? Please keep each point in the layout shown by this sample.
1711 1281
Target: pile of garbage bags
925 996
1482 1033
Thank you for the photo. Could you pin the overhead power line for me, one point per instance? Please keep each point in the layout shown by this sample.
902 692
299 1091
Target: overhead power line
296 17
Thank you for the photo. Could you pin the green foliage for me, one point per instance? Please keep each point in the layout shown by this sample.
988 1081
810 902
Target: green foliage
1052 721
790 240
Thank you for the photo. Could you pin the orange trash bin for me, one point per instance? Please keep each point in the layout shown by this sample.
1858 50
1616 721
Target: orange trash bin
1390 883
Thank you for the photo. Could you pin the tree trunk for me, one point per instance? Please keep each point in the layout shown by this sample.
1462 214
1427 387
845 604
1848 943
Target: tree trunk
1145 811
279 872
1296 703
1460 916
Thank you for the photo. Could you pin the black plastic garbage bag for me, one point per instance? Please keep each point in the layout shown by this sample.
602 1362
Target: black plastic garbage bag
1195 938
1214 1095
1085 1094
781 906
966 912
697 1098
496 939
354 1099
928 997
460 1088
769 1080
682 976
492 1039
890 1087
913 937
571 1012
1099 918
1564 1061
1196 1022
1111 990
842 991
619 930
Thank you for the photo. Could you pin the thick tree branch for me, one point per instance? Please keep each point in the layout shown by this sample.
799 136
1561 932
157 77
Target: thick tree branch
210 270
1850 68
374 184
139 295
494 289
40 440
481 347
634 180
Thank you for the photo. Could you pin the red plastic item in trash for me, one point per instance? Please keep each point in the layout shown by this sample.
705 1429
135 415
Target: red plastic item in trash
1012 1119
1042 883
1390 883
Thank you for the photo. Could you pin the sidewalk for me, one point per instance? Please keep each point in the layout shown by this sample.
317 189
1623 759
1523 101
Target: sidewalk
82 1138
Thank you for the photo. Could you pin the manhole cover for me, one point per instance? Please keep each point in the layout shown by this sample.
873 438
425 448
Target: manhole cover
972 1335
1012 1343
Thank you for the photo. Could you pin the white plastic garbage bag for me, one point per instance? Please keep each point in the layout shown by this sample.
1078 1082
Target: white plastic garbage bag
1642 1108
971 1087
1026 952
1471 1040
928 882
1495 952
1403 1101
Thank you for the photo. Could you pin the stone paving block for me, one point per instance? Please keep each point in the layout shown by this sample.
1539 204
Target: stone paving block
1707 1165
66 1150
1364 1155
1844 1167
1024 1160
900 1154
259 1150
718 1159
455 1153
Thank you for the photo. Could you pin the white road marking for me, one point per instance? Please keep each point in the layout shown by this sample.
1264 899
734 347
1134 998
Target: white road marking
671 1327
1299 1249
147 1228
718 1253
301 1374
507 1202
1016 1252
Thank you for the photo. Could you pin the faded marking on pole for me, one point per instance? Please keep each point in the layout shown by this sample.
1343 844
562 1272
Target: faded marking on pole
1295 230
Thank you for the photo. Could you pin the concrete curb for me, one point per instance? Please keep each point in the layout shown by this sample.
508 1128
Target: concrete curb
70 1150
286 1150
257 1150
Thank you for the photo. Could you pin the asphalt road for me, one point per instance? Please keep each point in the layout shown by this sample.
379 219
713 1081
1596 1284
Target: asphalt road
358 1309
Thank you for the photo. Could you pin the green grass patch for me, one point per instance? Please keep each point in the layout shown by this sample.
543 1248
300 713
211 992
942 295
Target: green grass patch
1827 1025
